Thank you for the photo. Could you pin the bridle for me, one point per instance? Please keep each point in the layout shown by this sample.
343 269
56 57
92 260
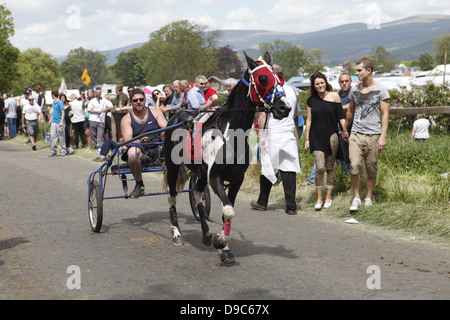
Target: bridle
264 101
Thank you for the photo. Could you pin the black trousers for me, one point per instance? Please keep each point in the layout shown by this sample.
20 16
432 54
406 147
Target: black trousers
79 133
289 186
2 125
68 131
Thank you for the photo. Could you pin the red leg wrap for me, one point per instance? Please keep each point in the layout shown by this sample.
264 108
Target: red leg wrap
227 228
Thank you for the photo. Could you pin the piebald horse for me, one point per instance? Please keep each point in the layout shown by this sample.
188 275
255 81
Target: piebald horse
222 143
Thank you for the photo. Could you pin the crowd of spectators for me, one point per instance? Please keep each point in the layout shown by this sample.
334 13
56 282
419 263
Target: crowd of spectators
89 116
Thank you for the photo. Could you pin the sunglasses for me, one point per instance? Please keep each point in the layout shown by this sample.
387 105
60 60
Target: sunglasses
138 100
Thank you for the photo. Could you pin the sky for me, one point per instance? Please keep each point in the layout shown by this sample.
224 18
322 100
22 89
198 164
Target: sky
59 26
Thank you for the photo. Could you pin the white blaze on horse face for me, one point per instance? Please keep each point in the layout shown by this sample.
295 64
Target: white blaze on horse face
284 100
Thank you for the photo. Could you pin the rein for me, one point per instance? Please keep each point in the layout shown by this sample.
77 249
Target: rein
221 109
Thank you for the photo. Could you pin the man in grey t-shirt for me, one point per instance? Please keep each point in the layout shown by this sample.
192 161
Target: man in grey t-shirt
367 118
369 111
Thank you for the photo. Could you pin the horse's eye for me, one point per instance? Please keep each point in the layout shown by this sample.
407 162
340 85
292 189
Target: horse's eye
263 80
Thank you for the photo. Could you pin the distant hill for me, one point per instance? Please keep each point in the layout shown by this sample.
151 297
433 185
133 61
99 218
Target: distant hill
406 39
111 55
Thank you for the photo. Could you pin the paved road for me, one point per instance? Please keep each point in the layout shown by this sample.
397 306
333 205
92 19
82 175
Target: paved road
44 230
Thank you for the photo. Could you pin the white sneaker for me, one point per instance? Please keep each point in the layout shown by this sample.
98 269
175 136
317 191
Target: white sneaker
367 202
318 206
355 205
327 205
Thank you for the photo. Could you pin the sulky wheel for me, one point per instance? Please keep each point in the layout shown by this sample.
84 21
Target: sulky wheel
95 207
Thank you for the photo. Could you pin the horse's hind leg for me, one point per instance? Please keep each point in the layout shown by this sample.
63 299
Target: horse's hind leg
204 221
174 227
172 177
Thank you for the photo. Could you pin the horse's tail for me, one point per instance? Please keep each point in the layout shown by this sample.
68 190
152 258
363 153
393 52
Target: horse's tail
182 178
172 169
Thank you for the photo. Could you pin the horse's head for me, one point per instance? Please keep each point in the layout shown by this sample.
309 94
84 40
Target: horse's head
266 87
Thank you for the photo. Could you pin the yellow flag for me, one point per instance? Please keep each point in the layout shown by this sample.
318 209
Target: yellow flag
85 77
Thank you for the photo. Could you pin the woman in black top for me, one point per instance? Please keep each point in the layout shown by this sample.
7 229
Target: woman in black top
324 112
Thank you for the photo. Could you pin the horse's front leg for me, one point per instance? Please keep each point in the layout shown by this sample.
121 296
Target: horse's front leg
222 240
228 214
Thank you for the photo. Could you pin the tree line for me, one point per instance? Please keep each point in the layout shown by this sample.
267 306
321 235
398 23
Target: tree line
179 50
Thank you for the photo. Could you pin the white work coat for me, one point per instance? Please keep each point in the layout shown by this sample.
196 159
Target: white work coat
282 147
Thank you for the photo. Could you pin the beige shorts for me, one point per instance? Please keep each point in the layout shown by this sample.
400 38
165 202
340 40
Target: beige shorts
363 149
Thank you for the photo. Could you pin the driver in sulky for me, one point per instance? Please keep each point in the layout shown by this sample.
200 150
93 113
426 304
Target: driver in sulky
141 119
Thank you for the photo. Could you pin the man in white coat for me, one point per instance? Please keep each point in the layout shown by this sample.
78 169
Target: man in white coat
279 153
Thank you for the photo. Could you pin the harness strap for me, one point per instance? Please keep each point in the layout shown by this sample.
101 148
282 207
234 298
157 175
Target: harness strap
245 82
268 101
265 108
278 93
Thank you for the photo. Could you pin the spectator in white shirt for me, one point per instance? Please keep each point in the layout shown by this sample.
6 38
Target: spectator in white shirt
30 113
420 128
97 108
11 114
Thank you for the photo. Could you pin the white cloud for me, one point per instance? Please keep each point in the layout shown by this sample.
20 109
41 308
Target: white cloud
135 28
109 24
206 20
35 30
242 18
208 3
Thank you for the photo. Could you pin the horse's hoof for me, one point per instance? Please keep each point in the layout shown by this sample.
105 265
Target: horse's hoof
227 257
177 241
217 242
207 239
